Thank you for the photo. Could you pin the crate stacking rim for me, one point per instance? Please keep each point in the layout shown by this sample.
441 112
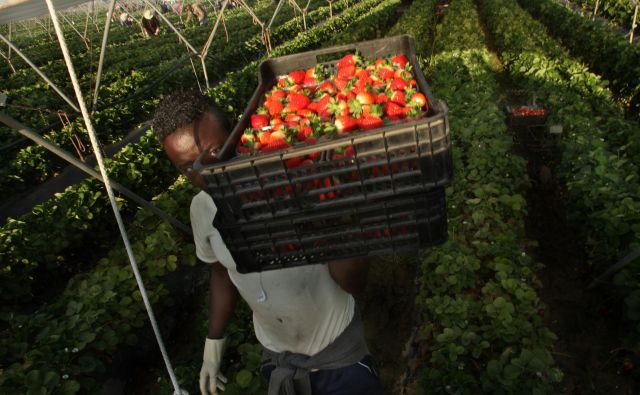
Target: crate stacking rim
405 223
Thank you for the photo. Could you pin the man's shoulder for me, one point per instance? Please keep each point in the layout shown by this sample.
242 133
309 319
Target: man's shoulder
202 202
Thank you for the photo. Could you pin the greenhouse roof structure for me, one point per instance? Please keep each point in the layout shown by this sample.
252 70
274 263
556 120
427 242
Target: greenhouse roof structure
18 10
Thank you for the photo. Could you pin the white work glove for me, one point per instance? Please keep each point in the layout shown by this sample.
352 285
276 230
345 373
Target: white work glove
210 377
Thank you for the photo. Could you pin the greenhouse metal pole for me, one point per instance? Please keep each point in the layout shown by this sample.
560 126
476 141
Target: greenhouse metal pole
633 24
66 155
8 60
75 30
40 73
275 13
205 49
103 48
112 198
9 57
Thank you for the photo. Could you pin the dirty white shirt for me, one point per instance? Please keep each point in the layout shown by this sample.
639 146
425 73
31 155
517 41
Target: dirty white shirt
300 309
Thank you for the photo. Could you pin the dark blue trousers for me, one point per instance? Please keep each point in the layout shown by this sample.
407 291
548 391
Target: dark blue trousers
361 378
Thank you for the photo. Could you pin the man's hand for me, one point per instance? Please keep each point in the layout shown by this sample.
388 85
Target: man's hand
210 377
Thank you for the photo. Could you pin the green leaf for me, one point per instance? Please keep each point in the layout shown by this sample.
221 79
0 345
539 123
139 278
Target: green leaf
243 378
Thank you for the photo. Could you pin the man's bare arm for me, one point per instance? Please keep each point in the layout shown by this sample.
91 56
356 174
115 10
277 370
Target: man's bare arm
222 294
350 274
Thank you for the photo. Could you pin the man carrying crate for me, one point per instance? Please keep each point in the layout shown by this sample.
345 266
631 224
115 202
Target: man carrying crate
305 317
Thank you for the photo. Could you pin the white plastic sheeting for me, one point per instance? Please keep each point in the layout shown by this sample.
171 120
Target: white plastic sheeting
17 10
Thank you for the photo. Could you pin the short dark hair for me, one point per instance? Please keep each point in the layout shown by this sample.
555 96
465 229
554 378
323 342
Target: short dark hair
181 108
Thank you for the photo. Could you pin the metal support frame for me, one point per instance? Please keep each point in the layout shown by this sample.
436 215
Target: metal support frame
634 24
207 45
103 49
70 23
40 73
7 58
64 154
112 199
632 256
595 10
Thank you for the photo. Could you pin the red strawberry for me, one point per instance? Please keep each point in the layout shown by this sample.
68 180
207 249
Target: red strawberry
340 84
362 74
264 137
386 73
394 111
397 97
338 107
369 122
418 100
348 60
304 133
382 98
297 77
309 82
399 61
248 138
398 84
346 73
345 124
298 101
306 112
258 121
294 162
327 86
276 121
323 104
274 106
278 94
404 74
292 120
365 98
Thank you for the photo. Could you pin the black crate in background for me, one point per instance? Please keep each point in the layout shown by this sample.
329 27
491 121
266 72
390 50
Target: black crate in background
396 224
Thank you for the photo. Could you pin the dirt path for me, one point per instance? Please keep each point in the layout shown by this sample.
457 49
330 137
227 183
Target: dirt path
387 307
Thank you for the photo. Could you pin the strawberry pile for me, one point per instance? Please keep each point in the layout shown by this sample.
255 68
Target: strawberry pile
307 105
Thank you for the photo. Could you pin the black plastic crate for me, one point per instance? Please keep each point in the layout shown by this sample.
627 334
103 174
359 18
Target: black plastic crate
514 118
396 224
398 158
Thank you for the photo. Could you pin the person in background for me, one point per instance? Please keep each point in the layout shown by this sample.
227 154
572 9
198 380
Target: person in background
177 7
126 19
196 11
150 24
305 317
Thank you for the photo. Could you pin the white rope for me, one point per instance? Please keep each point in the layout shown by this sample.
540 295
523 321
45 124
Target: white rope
112 199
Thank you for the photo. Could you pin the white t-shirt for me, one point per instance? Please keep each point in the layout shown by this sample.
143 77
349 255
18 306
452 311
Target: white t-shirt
300 309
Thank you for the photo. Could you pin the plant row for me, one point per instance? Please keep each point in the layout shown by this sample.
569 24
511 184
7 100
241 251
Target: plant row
603 201
74 218
66 345
481 324
602 49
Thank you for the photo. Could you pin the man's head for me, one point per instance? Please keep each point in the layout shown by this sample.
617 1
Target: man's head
188 123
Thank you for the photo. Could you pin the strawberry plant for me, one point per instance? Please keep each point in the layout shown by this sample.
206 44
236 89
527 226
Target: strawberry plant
603 49
481 330
600 175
